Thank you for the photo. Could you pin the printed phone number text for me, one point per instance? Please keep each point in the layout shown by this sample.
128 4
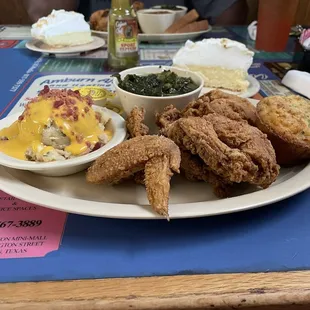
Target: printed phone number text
18 224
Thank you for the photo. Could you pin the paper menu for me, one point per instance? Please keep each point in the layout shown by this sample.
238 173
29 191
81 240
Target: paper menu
62 81
27 230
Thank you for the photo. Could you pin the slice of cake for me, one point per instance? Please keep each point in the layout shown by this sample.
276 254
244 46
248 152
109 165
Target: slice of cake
223 63
62 28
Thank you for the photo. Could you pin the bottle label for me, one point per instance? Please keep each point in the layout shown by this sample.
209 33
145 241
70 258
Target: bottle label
126 37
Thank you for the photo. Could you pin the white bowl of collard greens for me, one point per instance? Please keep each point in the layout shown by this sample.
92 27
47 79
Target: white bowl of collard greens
155 87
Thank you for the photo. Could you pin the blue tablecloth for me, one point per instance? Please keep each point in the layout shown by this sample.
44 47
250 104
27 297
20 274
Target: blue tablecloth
271 238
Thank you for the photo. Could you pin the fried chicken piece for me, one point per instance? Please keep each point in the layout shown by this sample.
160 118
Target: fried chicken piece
164 119
99 20
196 170
192 166
136 128
231 106
218 94
134 123
233 150
157 155
137 5
157 175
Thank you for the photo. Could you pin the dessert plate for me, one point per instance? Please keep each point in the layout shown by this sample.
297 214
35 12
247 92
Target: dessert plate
164 37
252 90
39 46
128 200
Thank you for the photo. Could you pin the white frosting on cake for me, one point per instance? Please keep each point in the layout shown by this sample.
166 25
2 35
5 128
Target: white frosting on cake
59 22
215 53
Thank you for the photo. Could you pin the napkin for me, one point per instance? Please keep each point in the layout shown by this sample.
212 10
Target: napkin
304 39
298 81
252 30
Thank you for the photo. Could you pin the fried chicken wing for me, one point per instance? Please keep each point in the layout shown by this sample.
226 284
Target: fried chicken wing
134 123
158 156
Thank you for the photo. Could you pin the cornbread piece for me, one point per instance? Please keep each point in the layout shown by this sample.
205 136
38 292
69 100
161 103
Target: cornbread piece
158 156
286 121
222 63
62 28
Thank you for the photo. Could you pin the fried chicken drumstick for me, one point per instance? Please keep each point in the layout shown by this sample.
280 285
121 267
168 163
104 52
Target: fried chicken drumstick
158 156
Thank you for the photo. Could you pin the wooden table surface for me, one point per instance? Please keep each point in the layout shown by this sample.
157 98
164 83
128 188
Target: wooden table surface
272 291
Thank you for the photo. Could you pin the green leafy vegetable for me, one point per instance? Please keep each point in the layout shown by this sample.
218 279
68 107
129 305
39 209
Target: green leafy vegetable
166 83
170 7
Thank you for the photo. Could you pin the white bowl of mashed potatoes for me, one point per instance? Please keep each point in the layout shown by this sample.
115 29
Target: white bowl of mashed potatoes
59 133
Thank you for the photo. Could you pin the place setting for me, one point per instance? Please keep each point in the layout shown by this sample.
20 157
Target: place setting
146 145
158 24
187 141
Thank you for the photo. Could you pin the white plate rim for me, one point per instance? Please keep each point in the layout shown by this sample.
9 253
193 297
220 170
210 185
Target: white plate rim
163 37
252 90
286 189
275 193
95 44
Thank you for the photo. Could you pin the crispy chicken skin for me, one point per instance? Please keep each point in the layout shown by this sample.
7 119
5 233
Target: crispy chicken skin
233 150
136 128
231 106
195 170
134 123
169 115
158 156
192 166
216 127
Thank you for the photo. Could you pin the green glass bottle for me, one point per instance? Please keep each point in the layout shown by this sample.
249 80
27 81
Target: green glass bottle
122 36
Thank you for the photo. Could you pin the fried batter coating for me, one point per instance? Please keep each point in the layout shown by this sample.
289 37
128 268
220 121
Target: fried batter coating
157 155
167 117
231 106
233 150
157 174
196 170
134 123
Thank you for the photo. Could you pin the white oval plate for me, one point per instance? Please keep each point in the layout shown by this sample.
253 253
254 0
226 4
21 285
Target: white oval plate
128 200
116 125
163 37
39 46
252 90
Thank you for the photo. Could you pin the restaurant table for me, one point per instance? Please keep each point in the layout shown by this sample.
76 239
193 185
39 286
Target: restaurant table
258 259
